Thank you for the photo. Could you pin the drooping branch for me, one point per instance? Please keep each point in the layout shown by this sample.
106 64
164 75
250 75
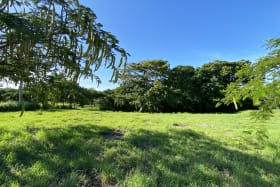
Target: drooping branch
57 33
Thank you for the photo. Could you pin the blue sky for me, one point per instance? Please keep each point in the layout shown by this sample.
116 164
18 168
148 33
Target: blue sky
187 32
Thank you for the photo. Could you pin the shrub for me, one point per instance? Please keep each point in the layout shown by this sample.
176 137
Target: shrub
7 94
14 106
31 106
9 106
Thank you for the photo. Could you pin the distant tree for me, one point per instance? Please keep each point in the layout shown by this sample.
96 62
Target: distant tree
152 86
211 79
8 94
94 96
138 79
183 89
106 102
58 89
156 97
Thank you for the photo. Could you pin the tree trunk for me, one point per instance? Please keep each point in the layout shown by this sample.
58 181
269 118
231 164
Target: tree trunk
20 92
20 98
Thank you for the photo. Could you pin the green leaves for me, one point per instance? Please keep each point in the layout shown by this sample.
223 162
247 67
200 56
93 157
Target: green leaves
259 82
62 34
142 86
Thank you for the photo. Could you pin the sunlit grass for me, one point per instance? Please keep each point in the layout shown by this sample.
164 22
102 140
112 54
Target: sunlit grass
93 148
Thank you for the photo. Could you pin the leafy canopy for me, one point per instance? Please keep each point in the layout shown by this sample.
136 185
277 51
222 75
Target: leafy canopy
260 82
42 36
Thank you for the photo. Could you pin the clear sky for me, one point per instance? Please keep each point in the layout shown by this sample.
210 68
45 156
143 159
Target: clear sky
187 32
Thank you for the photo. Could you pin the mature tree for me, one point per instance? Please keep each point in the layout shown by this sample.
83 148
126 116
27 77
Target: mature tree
156 96
152 86
214 77
106 101
42 36
183 89
260 82
137 80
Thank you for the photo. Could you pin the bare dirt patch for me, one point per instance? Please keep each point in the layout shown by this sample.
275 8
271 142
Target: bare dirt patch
112 134
204 125
180 126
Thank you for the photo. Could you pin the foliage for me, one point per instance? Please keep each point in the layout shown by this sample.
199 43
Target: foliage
10 94
15 106
9 106
156 96
260 82
183 89
41 37
56 92
106 101
152 86
148 86
93 148
58 89
214 77
138 79
7 94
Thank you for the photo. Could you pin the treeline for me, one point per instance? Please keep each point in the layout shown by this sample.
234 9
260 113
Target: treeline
54 92
148 86
152 86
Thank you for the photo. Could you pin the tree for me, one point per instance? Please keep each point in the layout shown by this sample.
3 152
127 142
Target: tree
182 85
42 36
106 102
137 80
152 86
156 97
260 82
211 79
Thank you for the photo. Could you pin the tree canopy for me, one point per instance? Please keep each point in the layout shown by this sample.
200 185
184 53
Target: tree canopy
38 37
155 87
138 79
259 81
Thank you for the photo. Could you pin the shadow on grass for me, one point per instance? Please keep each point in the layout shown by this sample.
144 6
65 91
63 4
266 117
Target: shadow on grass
89 155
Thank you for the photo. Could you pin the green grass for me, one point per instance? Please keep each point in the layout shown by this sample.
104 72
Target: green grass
92 148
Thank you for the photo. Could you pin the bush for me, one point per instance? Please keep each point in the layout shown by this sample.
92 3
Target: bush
9 106
31 106
14 106
8 94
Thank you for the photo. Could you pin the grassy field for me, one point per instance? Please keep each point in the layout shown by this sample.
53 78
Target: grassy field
93 148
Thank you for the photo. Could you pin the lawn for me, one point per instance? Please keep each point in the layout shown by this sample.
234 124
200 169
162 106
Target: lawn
94 148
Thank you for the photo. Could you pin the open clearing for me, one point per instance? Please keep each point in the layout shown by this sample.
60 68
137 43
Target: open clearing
94 148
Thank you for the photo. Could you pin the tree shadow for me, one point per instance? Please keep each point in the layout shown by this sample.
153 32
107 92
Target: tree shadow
90 155
183 157
49 156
